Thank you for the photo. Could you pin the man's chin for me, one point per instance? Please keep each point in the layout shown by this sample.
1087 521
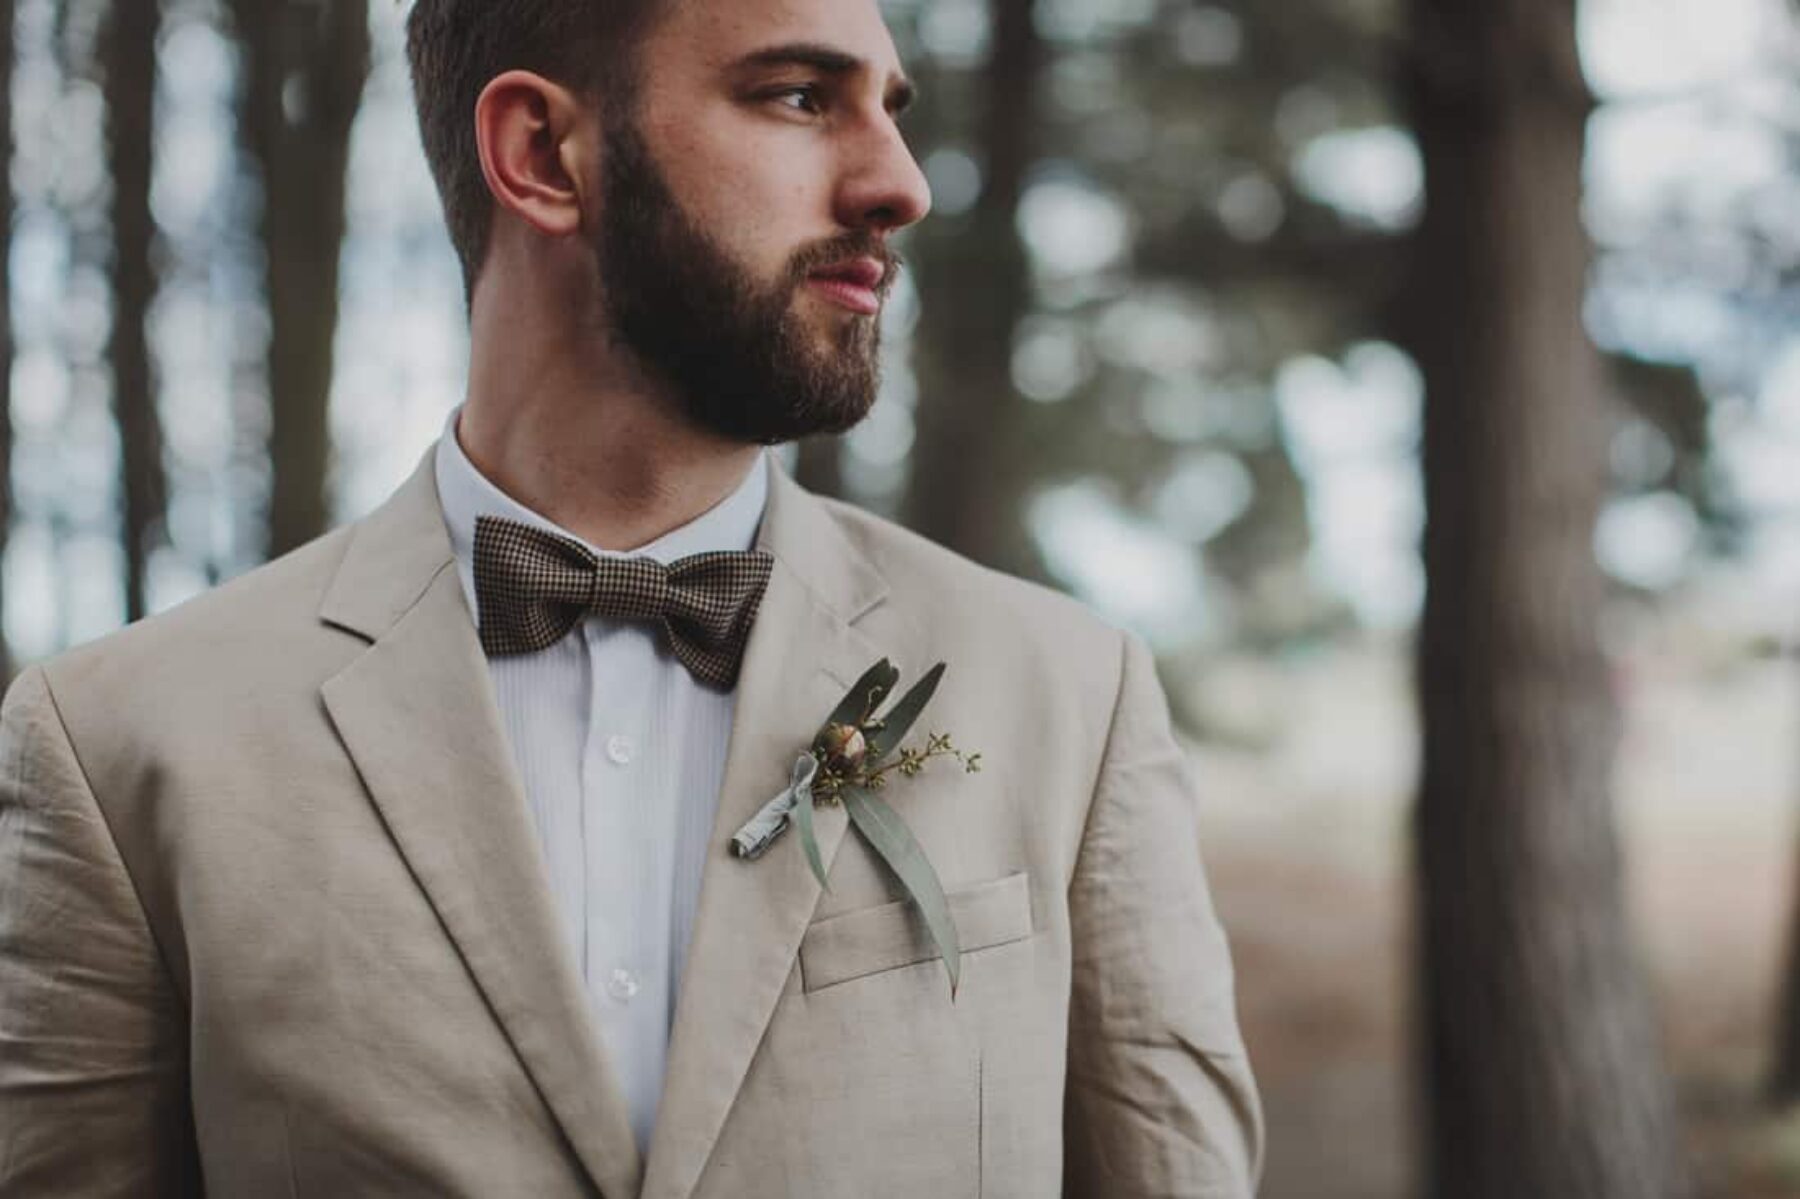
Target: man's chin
829 411
834 330
843 412
847 350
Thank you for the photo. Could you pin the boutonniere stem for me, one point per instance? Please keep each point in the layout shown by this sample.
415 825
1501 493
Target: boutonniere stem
852 758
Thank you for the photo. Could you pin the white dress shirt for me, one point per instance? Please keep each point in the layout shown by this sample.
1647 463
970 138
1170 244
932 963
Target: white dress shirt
622 753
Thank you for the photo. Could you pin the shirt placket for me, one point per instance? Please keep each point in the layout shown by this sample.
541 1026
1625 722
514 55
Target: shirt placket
611 833
620 851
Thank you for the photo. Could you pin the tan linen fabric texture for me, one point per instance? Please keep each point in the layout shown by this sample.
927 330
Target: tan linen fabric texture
273 920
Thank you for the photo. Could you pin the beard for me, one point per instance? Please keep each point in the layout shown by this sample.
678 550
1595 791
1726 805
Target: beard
737 354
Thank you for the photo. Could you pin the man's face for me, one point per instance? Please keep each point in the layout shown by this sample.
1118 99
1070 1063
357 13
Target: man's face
746 203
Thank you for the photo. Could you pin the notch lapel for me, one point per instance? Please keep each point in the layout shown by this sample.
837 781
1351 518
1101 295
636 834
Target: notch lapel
803 654
417 714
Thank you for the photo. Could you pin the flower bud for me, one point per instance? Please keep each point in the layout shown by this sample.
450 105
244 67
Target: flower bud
843 747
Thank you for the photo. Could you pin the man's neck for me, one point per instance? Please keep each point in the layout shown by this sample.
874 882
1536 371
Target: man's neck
610 473
616 482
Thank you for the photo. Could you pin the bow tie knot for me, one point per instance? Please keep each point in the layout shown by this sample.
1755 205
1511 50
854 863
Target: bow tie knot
533 586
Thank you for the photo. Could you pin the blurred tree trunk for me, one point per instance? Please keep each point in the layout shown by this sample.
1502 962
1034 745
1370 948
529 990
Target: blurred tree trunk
305 63
8 13
1784 1074
127 53
966 474
818 468
1543 1076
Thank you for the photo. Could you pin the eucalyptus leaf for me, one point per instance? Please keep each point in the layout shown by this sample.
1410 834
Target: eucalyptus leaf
865 696
882 827
896 724
802 814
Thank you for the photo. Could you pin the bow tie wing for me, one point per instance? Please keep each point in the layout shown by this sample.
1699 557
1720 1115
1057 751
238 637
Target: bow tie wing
713 600
531 585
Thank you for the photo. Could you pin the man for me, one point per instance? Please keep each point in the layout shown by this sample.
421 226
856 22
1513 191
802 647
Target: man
389 869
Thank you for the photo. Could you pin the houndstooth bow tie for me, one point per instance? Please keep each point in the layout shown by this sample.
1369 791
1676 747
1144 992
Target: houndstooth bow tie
532 587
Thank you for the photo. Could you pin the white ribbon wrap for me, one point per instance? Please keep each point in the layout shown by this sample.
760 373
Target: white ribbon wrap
760 831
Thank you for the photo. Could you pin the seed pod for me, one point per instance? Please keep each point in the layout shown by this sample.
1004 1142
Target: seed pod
843 748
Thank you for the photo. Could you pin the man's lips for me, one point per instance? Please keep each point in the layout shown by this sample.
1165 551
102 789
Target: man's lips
855 284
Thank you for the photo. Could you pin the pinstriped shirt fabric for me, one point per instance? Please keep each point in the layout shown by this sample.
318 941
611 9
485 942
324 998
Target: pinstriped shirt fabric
621 752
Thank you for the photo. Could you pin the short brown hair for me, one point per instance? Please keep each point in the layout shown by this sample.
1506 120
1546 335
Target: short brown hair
456 47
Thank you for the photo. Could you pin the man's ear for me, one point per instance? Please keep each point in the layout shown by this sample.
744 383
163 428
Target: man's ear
533 141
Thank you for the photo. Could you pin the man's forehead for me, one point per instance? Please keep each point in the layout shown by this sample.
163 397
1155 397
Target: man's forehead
743 32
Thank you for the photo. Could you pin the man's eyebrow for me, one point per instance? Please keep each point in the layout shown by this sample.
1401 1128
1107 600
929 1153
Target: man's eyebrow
829 60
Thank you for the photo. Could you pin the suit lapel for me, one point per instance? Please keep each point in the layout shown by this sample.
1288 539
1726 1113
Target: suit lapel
804 652
417 714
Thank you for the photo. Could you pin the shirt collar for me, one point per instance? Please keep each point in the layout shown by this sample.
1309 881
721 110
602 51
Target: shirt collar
466 493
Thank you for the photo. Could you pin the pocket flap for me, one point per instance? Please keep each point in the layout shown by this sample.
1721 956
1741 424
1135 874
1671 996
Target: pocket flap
890 935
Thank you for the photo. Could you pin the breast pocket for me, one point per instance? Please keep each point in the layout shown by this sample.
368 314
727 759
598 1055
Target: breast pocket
891 935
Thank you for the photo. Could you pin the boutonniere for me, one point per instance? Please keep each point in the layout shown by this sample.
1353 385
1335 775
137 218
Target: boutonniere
854 756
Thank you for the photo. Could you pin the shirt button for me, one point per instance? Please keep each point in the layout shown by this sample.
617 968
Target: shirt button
620 750
622 984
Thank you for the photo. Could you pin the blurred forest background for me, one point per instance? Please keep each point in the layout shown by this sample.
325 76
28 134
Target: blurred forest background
1420 377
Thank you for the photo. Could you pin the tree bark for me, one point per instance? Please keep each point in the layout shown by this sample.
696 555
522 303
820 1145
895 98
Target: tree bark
305 63
818 467
966 480
128 65
1783 1085
1542 1072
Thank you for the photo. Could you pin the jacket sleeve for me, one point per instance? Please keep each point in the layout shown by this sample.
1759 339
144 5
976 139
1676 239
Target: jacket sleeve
1160 1100
93 1098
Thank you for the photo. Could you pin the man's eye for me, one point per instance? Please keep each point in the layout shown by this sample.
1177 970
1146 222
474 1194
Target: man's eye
802 98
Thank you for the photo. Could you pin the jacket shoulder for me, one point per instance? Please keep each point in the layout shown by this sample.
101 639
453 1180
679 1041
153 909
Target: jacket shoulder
264 615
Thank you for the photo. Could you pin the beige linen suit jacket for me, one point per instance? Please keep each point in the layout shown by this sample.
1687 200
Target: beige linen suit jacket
273 920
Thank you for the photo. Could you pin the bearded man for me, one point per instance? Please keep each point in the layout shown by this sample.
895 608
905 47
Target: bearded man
404 865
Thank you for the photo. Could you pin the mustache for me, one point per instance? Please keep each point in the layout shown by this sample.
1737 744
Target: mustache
837 249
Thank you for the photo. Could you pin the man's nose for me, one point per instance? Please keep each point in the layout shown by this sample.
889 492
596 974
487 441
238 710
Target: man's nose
884 189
